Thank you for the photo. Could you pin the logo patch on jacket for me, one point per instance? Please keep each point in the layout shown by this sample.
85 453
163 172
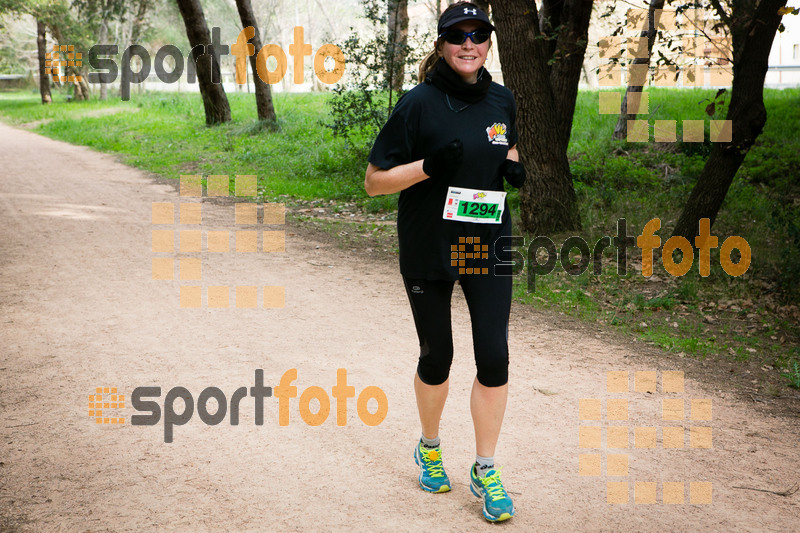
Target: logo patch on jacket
497 133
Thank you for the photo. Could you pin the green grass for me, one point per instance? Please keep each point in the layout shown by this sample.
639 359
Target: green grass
641 181
165 134
299 159
793 374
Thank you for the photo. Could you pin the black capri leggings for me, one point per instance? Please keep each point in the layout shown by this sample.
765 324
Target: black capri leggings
489 301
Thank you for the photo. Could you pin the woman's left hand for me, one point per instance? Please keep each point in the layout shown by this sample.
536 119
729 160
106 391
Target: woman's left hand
513 172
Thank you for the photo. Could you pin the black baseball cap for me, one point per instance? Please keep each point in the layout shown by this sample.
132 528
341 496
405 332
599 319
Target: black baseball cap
453 16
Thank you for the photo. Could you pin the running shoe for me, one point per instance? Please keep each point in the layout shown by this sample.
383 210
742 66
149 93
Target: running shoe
432 477
497 506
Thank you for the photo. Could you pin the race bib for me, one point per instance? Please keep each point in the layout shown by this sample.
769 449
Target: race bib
472 205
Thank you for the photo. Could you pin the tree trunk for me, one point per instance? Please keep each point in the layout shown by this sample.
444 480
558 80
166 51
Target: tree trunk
105 16
102 37
545 96
130 35
621 129
137 25
434 7
41 45
752 33
80 89
483 4
264 107
397 42
214 100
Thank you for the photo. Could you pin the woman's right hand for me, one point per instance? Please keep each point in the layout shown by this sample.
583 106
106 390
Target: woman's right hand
445 161
382 181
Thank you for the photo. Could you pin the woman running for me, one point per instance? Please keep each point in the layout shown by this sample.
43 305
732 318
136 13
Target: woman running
447 146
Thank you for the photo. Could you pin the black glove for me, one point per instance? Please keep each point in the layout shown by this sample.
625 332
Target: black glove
513 172
445 161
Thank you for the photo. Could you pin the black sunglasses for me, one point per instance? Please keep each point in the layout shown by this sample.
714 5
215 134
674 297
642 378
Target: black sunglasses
458 36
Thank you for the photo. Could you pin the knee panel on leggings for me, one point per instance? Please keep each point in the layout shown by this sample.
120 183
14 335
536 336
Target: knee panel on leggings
489 301
491 352
492 367
430 305
433 367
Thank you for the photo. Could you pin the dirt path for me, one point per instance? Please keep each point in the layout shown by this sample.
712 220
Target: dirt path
79 309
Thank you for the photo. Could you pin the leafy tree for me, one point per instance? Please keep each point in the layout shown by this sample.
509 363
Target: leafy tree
362 105
41 48
397 27
215 102
653 12
65 26
264 107
99 15
752 25
552 40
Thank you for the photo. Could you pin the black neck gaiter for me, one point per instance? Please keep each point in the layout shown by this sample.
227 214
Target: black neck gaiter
449 82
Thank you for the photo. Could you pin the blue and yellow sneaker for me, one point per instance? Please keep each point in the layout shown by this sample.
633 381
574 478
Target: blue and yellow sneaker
497 506
432 477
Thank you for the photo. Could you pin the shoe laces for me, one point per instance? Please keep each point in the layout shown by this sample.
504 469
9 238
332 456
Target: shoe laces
493 485
433 461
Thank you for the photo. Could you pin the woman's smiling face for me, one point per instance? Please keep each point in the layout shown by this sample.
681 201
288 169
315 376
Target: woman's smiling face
466 58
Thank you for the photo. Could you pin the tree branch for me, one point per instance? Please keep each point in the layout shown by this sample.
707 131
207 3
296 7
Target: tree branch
721 12
534 12
550 15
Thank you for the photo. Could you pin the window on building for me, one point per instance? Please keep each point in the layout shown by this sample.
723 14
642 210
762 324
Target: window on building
796 51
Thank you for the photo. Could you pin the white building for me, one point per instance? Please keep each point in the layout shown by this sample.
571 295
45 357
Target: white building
784 58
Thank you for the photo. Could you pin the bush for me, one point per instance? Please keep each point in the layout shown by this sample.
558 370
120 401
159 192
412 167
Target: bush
361 106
